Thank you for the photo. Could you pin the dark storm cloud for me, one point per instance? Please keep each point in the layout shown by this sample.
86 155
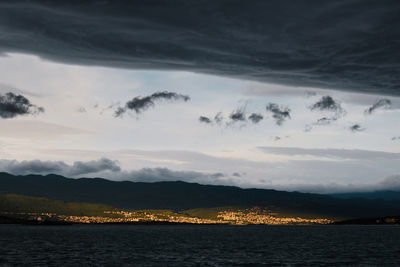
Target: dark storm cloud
280 114
205 119
346 44
256 118
139 104
59 167
380 104
12 105
356 128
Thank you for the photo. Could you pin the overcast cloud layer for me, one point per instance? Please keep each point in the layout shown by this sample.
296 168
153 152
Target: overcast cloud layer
344 44
110 169
105 167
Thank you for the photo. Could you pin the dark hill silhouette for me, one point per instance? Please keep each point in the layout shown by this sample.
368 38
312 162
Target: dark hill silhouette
182 196
381 194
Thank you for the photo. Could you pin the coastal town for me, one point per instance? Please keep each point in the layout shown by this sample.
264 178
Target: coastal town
231 217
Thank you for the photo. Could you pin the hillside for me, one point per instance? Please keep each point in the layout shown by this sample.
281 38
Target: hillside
12 203
178 196
18 209
384 194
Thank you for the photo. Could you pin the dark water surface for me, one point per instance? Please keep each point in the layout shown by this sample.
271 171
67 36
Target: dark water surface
185 245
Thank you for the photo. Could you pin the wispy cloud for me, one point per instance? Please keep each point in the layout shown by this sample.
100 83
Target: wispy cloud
140 104
380 104
327 103
256 118
205 120
356 128
331 153
280 114
238 115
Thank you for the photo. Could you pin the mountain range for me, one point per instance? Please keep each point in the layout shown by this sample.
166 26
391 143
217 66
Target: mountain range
177 196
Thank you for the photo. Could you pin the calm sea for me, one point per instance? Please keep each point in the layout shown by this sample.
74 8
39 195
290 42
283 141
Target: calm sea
185 245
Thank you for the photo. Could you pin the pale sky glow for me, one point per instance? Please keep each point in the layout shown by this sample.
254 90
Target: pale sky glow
79 125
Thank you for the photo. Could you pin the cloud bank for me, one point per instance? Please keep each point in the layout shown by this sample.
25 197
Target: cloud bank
106 168
109 169
78 168
391 183
345 154
347 44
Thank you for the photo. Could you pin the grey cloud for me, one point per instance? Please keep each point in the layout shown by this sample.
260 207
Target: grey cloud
165 174
12 105
78 168
280 114
139 104
391 182
33 167
205 119
356 128
107 168
237 116
320 122
327 103
236 174
321 166
217 175
218 118
380 104
256 118
93 166
81 109
347 44
325 121
394 138
332 153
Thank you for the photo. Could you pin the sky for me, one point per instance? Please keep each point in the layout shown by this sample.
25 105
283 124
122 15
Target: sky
234 104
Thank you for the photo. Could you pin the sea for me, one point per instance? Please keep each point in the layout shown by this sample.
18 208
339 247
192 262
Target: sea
199 245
